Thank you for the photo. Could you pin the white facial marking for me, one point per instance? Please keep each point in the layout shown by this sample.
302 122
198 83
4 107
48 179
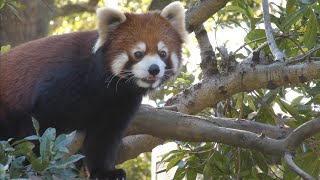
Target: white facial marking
175 62
141 46
162 47
118 63
141 70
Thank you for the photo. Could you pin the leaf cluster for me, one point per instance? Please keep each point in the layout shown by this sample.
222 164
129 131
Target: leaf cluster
19 160
296 27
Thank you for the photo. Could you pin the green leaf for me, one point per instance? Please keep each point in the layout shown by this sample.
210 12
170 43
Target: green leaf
2 172
290 109
63 163
239 101
290 7
251 104
255 34
179 174
35 124
235 8
297 100
181 80
174 162
45 144
311 31
5 49
64 140
24 148
293 18
261 162
316 8
191 175
308 2
32 138
165 157
38 165
14 10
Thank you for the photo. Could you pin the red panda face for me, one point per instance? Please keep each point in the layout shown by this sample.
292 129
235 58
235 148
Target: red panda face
143 48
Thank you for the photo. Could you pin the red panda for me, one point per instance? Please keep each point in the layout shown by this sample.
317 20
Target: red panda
91 81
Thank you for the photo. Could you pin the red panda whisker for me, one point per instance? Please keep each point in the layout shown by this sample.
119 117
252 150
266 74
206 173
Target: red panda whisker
130 79
117 84
107 80
126 70
111 80
169 69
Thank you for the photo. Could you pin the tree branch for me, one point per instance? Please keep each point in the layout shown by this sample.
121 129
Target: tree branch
191 128
149 119
201 11
279 56
134 145
303 132
289 160
208 60
256 76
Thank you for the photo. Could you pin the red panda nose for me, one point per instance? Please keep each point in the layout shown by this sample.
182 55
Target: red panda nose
154 69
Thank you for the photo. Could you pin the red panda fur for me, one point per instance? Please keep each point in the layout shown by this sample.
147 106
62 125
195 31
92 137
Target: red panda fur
22 65
66 81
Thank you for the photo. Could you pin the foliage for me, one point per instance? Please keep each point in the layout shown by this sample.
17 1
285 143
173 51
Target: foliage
13 5
297 28
19 160
4 49
138 168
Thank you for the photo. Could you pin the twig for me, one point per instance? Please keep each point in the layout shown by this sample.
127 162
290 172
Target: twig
296 43
208 60
289 160
302 56
279 56
247 43
48 6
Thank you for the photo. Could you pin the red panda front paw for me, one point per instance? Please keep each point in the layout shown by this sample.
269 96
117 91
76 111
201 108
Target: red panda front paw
117 174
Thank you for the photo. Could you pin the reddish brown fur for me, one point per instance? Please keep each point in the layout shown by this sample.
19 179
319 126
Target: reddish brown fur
43 78
149 28
50 51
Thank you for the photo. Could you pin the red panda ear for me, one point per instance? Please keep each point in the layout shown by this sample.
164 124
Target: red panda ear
108 20
174 13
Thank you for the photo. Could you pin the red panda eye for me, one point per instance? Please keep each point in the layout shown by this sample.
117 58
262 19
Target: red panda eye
162 54
138 54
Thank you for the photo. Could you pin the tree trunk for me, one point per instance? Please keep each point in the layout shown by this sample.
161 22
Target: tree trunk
33 24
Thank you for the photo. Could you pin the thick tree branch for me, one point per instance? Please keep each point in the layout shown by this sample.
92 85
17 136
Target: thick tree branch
255 76
279 56
149 119
191 128
134 145
289 160
202 11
